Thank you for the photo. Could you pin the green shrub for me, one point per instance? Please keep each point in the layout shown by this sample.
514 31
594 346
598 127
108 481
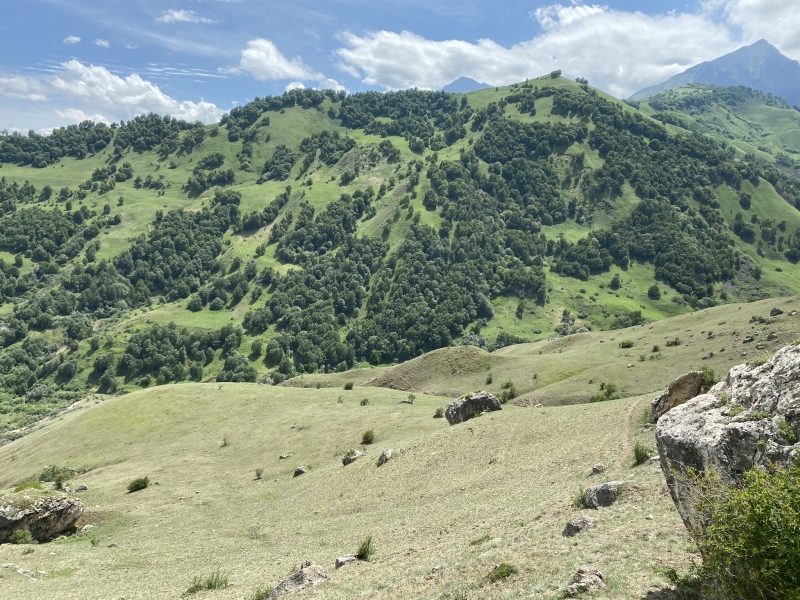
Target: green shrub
364 402
626 344
579 499
675 342
656 348
787 432
368 437
439 413
750 545
707 379
501 572
217 580
348 385
489 379
56 474
138 484
261 593
366 550
477 541
31 485
641 453
760 360
259 473
20 536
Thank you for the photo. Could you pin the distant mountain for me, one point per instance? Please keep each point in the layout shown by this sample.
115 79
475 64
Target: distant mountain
462 85
760 66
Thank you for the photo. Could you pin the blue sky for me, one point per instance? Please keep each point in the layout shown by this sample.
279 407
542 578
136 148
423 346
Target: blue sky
65 60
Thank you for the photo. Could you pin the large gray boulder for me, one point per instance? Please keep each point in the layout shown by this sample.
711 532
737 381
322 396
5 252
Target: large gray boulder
680 391
471 405
45 517
587 579
309 574
603 495
750 420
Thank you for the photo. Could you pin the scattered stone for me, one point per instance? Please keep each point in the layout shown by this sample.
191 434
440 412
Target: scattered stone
598 468
45 519
748 339
309 574
683 389
385 457
351 456
602 495
649 518
286 455
647 427
470 405
113 546
576 525
793 313
706 434
82 488
772 337
300 471
775 312
539 405
345 560
655 459
86 528
587 579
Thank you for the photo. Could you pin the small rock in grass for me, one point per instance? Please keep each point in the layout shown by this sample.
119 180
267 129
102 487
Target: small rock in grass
775 312
351 456
286 455
82 488
385 456
602 495
577 525
598 468
587 579
345 560
309 574
300 471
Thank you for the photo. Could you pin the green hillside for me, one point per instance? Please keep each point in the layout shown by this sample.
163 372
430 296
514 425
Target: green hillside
318 232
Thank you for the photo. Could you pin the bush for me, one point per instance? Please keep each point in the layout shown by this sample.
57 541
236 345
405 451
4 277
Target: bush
20 536
654 293
656 348
641 453
261 593
750 546
348 385
31 485
58 475
489 379
138 484
368 437
259 473
364 402
626 344
439 413
707 379
501 572
366 550
579 499
217 580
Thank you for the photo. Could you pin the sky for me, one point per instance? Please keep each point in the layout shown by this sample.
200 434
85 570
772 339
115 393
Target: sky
65 61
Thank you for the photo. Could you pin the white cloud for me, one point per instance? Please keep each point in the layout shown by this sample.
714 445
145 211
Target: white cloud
295 85
130 47
72 39
183 16
330 84
620 52
76 115
777 21
23 88
101 43
264 61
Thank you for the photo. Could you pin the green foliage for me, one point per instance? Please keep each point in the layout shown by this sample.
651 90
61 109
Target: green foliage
348 385
749 545
30 485
579 499
259 473
20 536
368 437
641 453
366 550
608 391
761 359
501 572
261 593
138 484
626 344
58 475
217 580
707 379
478 541
439 413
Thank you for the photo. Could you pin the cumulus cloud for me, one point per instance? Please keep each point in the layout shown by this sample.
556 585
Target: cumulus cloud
92 92
183 16
620 52
72 39
102 43
295 85
262 59
23 88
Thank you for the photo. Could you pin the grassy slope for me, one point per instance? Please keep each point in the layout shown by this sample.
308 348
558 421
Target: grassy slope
504 481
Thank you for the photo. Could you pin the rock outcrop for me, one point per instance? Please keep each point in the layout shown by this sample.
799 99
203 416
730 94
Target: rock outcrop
471 405
749 420
600 496
587 579
300 471
576 525
45 518
385 457
309 574
351 456
680 391
345 560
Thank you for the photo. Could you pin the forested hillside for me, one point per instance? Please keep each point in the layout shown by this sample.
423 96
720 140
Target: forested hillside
318 231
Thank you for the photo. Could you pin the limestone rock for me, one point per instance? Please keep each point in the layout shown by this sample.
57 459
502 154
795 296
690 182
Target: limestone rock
385 457
605 494
345 560
351 456
576 525
309 574
286 455
45 518
775 312
587 579
300 471
683 389
82 488
741 424
598 468
470 405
